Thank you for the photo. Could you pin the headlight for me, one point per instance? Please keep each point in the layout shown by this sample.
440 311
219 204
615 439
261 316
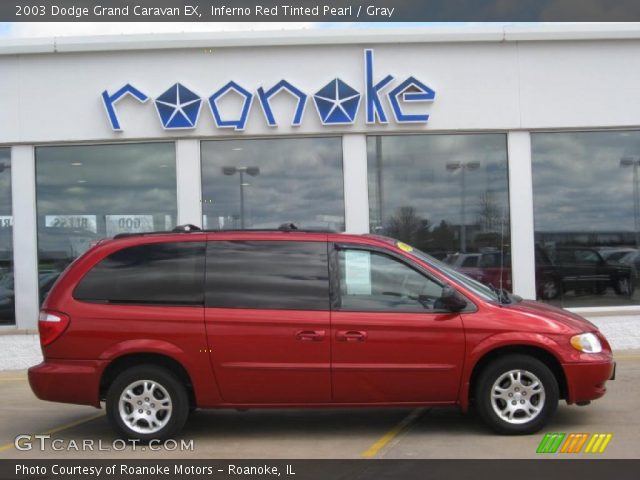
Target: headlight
586 342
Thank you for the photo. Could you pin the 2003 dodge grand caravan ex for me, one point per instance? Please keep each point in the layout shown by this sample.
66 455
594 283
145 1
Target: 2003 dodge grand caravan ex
156 325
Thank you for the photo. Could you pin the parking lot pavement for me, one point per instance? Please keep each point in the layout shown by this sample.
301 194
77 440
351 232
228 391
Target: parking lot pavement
324 433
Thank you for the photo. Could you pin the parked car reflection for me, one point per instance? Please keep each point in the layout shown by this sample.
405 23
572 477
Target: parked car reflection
573 269
584 270
493 268
632 259
7 299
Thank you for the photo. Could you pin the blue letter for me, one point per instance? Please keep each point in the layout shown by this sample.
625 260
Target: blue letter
109 102
423 94
240 123
374 106
266 107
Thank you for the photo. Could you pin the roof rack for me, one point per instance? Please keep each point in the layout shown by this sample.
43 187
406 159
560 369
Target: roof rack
186 228
189 228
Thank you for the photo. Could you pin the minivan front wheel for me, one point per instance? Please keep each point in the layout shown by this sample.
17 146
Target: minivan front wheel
516 394
147 402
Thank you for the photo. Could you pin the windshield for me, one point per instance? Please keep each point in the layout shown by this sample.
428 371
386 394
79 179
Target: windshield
476 287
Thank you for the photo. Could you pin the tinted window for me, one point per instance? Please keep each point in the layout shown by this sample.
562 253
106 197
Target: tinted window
268 275
263 183
372 281
585 198
87 192
470 262
443 194
160 273
7 314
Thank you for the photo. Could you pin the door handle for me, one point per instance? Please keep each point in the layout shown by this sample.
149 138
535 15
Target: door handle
351 336
310 335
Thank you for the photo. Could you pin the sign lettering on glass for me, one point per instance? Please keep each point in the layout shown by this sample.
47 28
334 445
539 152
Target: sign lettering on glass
6 221
81 222
128 224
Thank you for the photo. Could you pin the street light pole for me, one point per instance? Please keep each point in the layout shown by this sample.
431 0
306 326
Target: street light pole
634 162
241 172
452 167
252 171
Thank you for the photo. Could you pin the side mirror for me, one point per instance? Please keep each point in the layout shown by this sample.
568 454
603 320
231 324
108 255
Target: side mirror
452 300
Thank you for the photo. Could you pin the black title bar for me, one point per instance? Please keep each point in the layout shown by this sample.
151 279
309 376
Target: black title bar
320 10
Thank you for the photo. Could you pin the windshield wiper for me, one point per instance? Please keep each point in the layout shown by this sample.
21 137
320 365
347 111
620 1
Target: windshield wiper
501 293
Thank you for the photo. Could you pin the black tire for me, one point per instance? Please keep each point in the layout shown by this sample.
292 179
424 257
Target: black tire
533 368
624 286
177 396
550 288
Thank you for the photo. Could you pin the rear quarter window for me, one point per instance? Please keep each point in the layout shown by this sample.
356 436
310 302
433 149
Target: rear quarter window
158 273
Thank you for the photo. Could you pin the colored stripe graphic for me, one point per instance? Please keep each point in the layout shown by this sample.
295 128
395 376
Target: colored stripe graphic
598 443
573 443
550 443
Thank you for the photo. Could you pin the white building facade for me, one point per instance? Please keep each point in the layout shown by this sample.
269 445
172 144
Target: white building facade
510 152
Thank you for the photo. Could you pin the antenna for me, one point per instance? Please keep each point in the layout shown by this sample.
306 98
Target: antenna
502 219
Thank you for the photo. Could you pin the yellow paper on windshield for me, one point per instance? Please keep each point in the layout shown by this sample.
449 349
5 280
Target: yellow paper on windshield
404 247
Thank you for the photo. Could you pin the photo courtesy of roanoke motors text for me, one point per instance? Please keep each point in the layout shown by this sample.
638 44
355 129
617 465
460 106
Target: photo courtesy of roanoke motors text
345 239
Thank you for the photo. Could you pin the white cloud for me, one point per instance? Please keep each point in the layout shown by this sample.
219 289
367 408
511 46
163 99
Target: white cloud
56 29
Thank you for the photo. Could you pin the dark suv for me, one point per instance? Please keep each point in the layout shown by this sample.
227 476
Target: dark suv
584 270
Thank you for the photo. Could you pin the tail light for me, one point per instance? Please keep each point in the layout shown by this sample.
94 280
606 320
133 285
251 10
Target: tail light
51 325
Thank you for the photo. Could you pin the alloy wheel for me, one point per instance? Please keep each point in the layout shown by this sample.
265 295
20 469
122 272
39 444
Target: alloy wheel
145 406
517 396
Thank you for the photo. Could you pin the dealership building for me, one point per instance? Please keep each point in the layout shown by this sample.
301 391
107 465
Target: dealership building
510 152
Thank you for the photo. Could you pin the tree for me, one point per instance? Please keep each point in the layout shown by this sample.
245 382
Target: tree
443 238
408 226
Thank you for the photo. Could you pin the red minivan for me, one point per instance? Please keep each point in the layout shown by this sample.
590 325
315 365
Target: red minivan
158 324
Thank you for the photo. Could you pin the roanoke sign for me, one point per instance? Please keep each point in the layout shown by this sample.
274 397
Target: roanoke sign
336 103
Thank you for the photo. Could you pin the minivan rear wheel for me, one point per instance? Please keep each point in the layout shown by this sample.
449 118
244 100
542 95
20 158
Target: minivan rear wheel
147 402
516 394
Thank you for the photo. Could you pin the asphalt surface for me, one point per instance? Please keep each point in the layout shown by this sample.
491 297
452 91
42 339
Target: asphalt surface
320 433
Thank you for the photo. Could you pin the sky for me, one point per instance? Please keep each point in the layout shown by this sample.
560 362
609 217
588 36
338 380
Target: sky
54 29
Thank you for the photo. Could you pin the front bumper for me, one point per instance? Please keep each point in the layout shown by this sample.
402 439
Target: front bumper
586 381
67 381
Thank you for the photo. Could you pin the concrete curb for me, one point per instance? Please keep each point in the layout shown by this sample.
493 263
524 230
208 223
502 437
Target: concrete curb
18 352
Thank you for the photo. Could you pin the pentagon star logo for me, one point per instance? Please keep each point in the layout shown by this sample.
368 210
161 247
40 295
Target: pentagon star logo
337 103
178 107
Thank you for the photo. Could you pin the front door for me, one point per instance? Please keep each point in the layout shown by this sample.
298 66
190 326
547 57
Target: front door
390 341
267 319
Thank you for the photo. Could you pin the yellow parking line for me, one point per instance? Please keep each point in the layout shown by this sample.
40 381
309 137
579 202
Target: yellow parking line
66 426
11 379
627 357
393 433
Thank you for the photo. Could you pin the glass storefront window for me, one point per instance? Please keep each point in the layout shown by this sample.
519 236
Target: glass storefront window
265 183
587 217
447 195
85 193
7 300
